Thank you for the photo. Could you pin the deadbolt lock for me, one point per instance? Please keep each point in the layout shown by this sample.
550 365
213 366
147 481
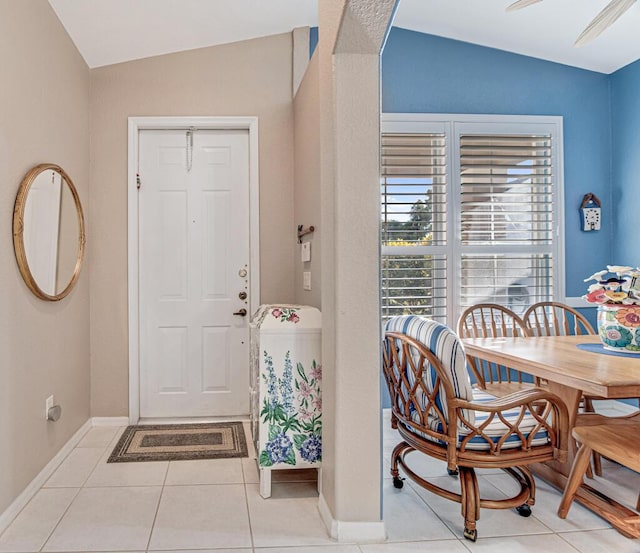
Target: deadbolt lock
242 295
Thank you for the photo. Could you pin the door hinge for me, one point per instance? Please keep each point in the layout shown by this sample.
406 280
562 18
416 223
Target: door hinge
138 181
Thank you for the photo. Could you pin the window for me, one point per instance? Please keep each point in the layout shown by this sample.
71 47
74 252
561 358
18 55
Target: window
469 208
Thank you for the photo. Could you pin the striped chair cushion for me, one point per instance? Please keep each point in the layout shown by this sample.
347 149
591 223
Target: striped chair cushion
494 431
496 428
444 344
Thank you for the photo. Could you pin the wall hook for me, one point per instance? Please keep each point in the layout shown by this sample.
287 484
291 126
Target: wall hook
303 232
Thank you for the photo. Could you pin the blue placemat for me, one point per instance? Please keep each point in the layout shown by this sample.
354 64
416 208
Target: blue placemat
599 348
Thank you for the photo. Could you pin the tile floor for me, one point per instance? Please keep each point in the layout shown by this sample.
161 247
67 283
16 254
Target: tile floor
89 505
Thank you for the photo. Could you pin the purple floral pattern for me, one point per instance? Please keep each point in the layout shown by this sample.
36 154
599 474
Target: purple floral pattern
311 448
292 409
279 449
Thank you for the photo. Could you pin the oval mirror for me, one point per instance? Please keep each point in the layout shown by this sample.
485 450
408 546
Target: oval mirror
48 232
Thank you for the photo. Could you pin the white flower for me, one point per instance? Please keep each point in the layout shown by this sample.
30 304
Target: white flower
594 286
619 269
596 276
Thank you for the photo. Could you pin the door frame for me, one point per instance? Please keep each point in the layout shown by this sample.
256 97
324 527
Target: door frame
136 124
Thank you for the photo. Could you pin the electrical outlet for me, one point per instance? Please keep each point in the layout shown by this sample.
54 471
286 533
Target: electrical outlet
306 280
48 405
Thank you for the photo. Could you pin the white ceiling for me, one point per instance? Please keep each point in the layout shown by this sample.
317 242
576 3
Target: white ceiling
113 31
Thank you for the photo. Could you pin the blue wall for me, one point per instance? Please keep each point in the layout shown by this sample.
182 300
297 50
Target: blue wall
625 133
313 40
424 73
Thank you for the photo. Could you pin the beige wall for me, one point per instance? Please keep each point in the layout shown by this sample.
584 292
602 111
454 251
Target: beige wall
306 110
44 109
250 78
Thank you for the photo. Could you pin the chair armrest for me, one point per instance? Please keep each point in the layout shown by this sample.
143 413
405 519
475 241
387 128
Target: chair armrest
516 399
546 408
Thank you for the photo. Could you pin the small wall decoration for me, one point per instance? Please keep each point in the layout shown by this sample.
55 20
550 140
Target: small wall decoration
590 210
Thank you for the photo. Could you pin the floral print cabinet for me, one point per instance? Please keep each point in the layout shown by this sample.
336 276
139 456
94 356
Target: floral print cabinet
286 389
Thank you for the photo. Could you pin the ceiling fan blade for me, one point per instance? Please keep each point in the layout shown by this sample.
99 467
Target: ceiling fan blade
519 4
603 20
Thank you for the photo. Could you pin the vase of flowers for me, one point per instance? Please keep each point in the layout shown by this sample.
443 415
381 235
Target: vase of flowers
616 291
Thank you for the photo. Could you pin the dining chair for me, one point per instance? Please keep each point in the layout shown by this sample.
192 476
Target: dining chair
549 318
552 318
438 413
491 320
614 437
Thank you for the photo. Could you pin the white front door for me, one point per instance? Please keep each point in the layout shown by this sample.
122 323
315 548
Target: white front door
193 273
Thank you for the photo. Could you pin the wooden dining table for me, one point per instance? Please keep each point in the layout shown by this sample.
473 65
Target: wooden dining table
570 372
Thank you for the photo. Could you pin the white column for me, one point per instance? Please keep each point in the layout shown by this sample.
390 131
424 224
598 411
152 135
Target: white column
351 35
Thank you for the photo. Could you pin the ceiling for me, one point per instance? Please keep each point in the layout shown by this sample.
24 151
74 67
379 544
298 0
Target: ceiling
113 31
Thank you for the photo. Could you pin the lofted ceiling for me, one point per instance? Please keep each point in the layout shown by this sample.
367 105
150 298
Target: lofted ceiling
113 31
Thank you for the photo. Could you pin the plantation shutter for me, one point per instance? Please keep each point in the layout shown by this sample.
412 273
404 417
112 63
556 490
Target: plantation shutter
469 212
414 217
506 218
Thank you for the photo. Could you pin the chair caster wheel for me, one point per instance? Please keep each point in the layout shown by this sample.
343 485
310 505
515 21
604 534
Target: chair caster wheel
453 472
398 482
524 510
471 535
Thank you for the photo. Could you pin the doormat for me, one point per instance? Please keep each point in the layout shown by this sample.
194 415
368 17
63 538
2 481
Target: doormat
178 442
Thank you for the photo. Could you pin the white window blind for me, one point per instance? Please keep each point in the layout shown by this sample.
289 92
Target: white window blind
506 204
469 213
414 214
506 189
414 189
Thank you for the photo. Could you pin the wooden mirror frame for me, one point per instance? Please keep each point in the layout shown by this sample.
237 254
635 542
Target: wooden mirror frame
18 231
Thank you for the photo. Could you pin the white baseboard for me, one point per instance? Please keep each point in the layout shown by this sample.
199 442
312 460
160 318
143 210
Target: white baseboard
350 532
110 421
188 420
602 405
19 503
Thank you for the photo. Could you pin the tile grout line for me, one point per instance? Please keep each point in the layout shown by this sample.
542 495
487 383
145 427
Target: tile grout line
246 499
250 445
39 490
415 487
155 515
533 510
570 544
411 485
55 527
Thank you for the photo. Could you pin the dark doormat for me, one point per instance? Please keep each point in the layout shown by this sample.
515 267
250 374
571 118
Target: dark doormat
174 442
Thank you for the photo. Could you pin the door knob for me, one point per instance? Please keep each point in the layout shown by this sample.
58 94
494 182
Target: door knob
242 312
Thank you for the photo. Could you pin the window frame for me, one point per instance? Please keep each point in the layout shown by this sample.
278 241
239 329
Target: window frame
453 126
